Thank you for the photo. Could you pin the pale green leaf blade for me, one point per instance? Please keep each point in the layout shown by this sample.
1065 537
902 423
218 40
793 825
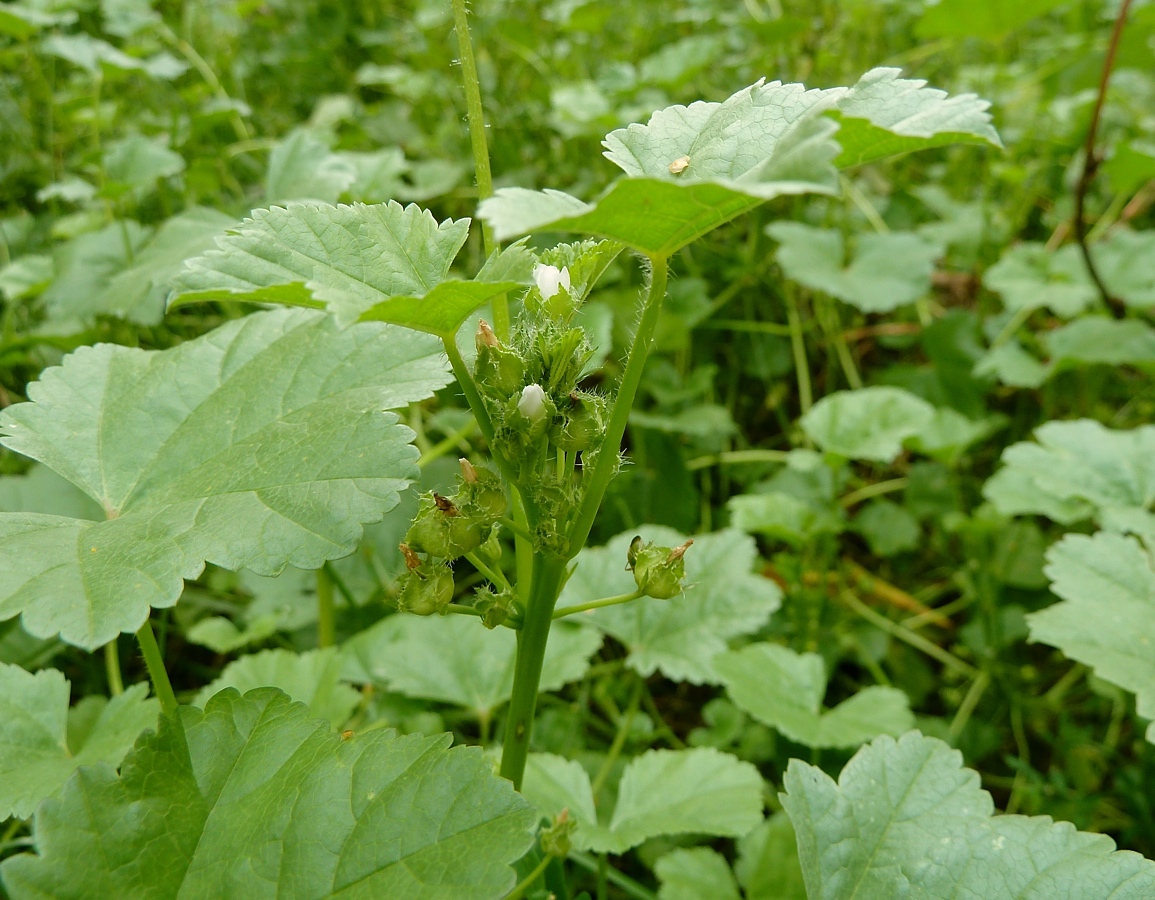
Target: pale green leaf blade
678 637
870 423
138 292
906 819
699 791
252 798
35 756
406 654
784 690
312 678
41 490
1074 468
553 783
886 271
885 115
694 873
301 167
1126 261
344 258
1107 615
767 866
275 452
1097 340
785 517
84 267
1029 276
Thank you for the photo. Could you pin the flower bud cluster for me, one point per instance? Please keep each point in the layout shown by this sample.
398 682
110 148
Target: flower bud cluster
444 529
658 571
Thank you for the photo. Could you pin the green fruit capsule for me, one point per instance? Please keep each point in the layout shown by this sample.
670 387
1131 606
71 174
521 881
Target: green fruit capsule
442 529
584 425
658 571
426 586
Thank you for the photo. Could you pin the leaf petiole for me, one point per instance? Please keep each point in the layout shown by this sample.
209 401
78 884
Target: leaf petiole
161 686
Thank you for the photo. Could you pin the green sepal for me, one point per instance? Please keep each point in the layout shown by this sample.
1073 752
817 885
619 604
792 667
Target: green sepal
658 571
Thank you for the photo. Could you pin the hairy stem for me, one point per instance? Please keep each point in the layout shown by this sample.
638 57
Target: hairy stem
607 458
161 686
596 604
531 641
480 145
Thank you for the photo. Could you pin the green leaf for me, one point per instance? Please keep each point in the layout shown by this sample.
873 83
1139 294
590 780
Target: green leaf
1076 469
1029 276
693 168
1098 340
906 819
1107 615
767 865
987 19
885 115
870 423
784 690
889 529
1126 263
785 517
138 292
26 277
86 265
662 792
343 258
42 741
138 162
885 272
949 434
1012 365
694 873
442 311
228 449
252 798
678 637
41 490
301 167
221 635
406 654
312 678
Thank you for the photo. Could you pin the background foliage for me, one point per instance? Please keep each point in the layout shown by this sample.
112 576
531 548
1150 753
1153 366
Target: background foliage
848 408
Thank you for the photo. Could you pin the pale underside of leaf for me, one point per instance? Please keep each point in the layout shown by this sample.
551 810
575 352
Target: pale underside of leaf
260 445
906 819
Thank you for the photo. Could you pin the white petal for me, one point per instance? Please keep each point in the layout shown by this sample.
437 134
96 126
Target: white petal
532 402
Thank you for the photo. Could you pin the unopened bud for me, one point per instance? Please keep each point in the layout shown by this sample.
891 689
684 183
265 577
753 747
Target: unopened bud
584 424
550 280
485 335
498 370
532 402
556 839
440 529
468 473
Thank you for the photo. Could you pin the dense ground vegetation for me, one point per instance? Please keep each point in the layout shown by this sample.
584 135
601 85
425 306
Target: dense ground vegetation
905 424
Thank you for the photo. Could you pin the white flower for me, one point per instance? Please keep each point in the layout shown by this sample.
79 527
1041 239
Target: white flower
532 402
549 279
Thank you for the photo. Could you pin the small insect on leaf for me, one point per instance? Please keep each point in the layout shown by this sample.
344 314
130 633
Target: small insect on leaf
444 504
679 165
632 553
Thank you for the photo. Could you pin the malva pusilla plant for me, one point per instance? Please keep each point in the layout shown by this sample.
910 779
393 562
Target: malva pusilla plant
270 445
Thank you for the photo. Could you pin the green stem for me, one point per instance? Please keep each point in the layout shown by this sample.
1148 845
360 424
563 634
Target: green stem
326 616
112 667
446 444
627 884
907 636
496 576
729 457
480 146
161 686
596 604
798 346
518 892
517 529
624 723
873 490
531 641
607 457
